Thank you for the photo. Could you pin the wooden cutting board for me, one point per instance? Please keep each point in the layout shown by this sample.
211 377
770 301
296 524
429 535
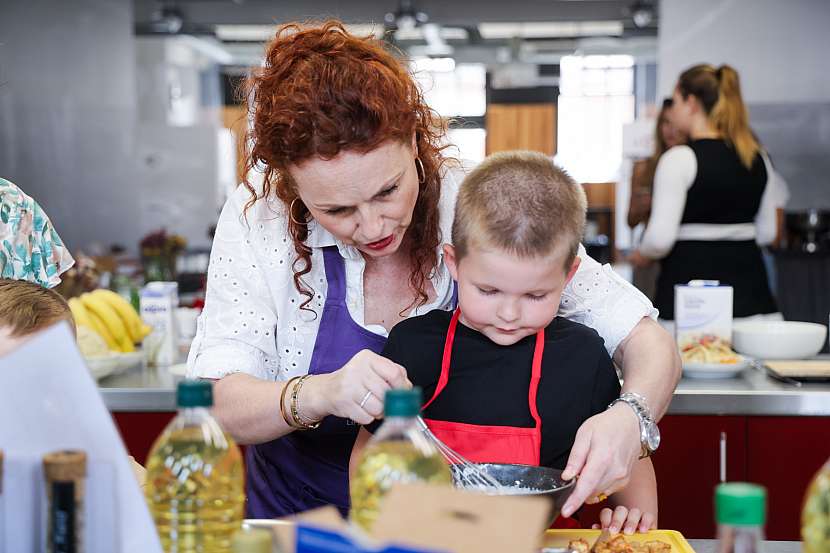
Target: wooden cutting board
801 369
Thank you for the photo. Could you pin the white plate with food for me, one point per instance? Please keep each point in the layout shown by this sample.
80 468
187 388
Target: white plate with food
692 369
709 356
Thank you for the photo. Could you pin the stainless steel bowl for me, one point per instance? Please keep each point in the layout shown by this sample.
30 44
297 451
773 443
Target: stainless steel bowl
532 481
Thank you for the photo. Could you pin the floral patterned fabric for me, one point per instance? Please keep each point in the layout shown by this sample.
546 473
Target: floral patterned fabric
30 248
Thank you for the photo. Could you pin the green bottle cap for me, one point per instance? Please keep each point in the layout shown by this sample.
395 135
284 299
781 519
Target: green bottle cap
194 393
402 403
740 504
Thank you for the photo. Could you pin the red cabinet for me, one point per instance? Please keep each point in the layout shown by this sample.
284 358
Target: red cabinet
784 454
140 429
780 453
688 467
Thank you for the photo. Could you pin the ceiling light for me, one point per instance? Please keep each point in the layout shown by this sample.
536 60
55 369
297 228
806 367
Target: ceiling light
550 29
642 14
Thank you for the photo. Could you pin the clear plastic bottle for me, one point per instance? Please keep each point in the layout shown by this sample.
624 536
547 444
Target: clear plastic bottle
815 516
195 480
740 510
398 452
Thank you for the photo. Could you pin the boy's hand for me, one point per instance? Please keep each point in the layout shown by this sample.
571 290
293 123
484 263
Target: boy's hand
625 521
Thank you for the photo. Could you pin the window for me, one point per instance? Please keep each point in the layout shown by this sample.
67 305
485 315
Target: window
596 99
456 91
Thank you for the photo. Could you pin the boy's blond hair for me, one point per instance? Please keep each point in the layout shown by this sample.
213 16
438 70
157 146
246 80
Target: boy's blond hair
26 307
522 203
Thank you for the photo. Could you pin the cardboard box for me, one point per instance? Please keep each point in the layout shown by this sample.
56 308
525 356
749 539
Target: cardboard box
419 518
702 308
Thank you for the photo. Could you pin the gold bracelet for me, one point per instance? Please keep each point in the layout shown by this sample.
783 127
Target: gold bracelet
282 401
295 409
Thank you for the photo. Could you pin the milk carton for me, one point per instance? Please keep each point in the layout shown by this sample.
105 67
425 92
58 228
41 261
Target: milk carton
702 311
159 301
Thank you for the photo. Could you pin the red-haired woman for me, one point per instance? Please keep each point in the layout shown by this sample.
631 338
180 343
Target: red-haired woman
340 241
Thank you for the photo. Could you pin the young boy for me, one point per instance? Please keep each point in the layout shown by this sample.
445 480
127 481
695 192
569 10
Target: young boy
504 379
25 308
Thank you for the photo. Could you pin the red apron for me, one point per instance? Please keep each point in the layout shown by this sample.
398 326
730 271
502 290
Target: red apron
494 444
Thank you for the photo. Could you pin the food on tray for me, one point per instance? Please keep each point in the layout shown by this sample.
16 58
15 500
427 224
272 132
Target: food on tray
708 348
579 545
619 544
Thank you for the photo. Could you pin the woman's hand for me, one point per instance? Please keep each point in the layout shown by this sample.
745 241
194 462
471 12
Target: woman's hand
355 391
605 449
625 520
637 259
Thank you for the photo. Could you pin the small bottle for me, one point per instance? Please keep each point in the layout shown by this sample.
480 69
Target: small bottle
815 516
65 473
740 510
195 482
398 452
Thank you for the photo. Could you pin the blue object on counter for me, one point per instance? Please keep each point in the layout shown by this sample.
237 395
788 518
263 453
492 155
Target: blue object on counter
311 539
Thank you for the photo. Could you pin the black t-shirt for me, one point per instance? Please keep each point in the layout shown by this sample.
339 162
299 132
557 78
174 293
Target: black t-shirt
489 383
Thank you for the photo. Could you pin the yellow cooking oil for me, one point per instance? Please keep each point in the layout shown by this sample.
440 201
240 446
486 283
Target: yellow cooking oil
398 453
815 516
195 478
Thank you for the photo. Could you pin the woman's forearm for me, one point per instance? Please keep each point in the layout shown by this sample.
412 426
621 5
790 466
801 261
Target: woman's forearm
248 408
650 364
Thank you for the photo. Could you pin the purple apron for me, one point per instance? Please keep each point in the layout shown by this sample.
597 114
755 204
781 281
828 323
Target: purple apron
308 469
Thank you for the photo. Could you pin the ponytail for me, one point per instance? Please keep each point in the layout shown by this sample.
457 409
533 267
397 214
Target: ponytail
719 92
730 117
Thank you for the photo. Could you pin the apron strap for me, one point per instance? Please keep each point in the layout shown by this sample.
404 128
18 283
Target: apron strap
335 274
445 360
535 377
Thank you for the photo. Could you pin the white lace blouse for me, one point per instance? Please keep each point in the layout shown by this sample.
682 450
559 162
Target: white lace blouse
252 321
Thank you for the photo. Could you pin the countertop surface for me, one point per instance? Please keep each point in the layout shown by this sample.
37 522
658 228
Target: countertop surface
751 393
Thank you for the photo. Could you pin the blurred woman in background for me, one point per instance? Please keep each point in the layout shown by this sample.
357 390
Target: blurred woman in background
642 183
714 199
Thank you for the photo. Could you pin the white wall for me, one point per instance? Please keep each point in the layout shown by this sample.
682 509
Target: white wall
73 137
67 113
779 47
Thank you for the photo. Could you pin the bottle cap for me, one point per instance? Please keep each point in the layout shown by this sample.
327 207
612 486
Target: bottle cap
64 466
194 393
402 403
740 504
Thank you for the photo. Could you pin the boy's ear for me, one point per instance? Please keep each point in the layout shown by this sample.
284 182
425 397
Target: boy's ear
451 261
573 269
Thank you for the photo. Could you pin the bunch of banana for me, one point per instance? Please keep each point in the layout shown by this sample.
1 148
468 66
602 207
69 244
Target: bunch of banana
110 316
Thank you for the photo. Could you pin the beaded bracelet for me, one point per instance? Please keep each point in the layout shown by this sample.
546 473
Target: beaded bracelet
282 402
295 409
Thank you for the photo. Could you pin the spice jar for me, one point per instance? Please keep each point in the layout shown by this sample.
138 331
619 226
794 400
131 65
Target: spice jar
65 473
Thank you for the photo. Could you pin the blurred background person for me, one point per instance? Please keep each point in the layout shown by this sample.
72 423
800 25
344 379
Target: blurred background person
642 183
714 199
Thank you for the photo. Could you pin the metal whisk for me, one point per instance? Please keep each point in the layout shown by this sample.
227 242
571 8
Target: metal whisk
466 474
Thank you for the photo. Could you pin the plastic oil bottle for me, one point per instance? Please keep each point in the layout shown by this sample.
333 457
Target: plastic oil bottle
815 517
398 452
195 481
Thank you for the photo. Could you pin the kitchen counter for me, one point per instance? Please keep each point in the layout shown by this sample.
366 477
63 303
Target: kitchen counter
711 546
752 393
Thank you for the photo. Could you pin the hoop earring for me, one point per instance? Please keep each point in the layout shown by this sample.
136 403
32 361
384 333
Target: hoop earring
422 175
291 214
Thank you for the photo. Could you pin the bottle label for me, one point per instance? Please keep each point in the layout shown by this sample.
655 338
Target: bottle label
62 518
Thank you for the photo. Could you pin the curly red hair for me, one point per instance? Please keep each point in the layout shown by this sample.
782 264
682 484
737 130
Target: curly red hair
322 91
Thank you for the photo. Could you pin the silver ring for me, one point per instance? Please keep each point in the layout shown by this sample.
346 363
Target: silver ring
365 399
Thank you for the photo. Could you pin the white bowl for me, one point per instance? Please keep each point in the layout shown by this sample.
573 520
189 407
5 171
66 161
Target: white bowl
778 339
